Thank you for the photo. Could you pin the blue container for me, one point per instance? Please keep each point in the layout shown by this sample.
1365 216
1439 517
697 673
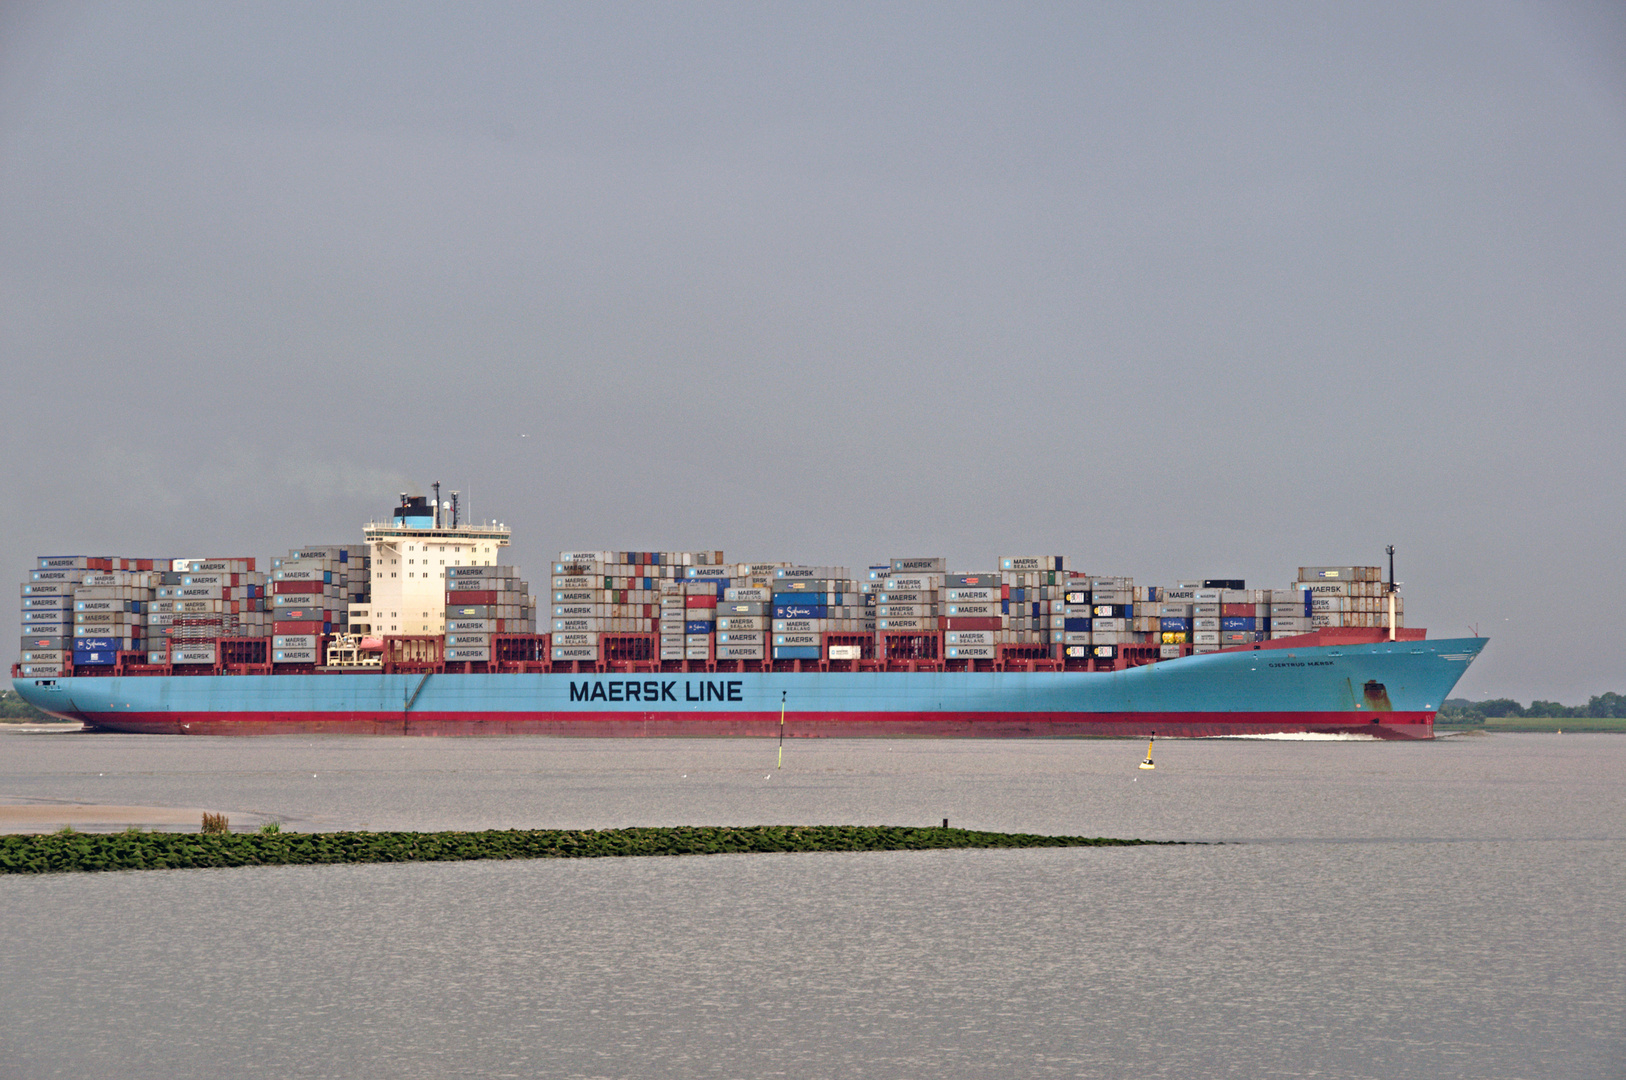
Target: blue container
801 611
91 657
95 644
796 652
1238 622
1079 626
1173 624
698 627
815 599
1125 611
1004 607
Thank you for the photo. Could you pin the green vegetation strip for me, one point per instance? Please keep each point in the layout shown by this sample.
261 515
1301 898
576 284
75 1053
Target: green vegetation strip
64 851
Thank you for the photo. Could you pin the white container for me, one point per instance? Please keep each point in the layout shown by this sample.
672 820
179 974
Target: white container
575 652
192 655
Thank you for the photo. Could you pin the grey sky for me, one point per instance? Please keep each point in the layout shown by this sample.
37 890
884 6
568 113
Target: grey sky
1180 290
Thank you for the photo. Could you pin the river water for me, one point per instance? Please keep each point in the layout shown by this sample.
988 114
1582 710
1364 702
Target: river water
1446 909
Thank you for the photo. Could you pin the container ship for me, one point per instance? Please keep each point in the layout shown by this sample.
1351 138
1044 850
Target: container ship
422 630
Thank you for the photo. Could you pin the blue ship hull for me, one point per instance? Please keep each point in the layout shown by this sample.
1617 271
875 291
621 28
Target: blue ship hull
1385 689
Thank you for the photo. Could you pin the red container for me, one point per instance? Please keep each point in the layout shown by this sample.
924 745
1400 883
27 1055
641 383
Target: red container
989 623
700 601
470 596
296 587
281 628
1244 611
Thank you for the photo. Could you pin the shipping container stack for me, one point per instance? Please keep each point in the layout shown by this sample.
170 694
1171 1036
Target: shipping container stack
973 616
1348 596
907 607
204 601
1240 621
482 601
706 589
1033 603
1290 611
744 618
807 604
1111 614
620 593
47 615
1076 618
82 611
110 612
700 614
1176 615
312 588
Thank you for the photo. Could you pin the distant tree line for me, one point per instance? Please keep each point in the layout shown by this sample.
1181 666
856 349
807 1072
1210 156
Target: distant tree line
14 710
1463 711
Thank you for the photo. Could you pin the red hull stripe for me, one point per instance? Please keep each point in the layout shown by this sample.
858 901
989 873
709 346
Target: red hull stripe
1393 725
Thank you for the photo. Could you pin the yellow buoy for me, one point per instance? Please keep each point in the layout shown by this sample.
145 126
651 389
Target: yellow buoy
1147 764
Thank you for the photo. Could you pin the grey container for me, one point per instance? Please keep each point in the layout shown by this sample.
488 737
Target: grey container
471 626
576 652
291 656
919 565
577 626
803 585
746 622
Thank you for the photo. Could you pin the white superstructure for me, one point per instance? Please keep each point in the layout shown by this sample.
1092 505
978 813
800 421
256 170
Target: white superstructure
410 554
